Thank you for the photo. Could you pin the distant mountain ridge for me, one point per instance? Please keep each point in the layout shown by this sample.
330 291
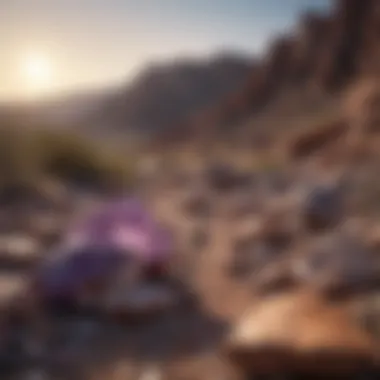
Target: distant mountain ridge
165 96
323 55
187 98
162 97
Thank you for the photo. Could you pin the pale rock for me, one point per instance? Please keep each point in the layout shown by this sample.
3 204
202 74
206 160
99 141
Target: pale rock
298 332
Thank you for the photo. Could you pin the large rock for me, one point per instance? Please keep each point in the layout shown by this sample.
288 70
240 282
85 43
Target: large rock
299 333
323 208
18 251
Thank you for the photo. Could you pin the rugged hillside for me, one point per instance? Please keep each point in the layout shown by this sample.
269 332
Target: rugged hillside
161 97
165 96
324 55
301 73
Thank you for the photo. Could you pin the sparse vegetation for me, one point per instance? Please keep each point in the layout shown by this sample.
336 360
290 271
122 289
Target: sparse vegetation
29 155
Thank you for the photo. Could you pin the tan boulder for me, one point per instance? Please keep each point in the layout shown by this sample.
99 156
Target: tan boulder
299 333
18 250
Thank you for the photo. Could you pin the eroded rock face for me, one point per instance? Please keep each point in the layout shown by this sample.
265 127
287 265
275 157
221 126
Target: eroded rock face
298 333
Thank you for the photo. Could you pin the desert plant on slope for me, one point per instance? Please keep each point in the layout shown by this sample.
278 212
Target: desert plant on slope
27 155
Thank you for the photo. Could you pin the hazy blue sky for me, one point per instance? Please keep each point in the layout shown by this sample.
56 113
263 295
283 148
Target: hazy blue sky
48 46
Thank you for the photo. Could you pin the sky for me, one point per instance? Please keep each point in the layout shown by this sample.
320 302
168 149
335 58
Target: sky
55 46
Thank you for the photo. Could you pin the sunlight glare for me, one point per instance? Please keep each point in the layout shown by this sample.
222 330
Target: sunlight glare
37 72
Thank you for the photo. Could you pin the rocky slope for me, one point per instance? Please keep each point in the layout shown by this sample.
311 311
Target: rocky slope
163 96
324 55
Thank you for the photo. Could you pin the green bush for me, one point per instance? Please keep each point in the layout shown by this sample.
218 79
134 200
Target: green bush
27 155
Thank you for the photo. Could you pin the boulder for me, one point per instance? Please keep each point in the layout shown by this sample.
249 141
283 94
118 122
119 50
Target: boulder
299 333
18 251
323 208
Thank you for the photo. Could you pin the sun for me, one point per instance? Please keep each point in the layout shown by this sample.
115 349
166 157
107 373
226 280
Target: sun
37 73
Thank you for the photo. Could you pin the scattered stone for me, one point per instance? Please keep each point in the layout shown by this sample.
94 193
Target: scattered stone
197 205
151 373
222 177
264 244
47 228
244 204
299 333
373 238
249 257
139 301
274 278
11 286
199 238
337 265
367 311
277 230
323 208
277 181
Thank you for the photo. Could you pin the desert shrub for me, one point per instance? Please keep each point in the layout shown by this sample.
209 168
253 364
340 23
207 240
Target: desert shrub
27 155
17 164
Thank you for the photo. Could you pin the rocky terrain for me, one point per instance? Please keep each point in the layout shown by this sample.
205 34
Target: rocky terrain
277 229
159 99
302 73
244 239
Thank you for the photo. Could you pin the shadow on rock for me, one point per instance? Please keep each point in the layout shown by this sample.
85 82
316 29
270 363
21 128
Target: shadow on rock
179 333
82 347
